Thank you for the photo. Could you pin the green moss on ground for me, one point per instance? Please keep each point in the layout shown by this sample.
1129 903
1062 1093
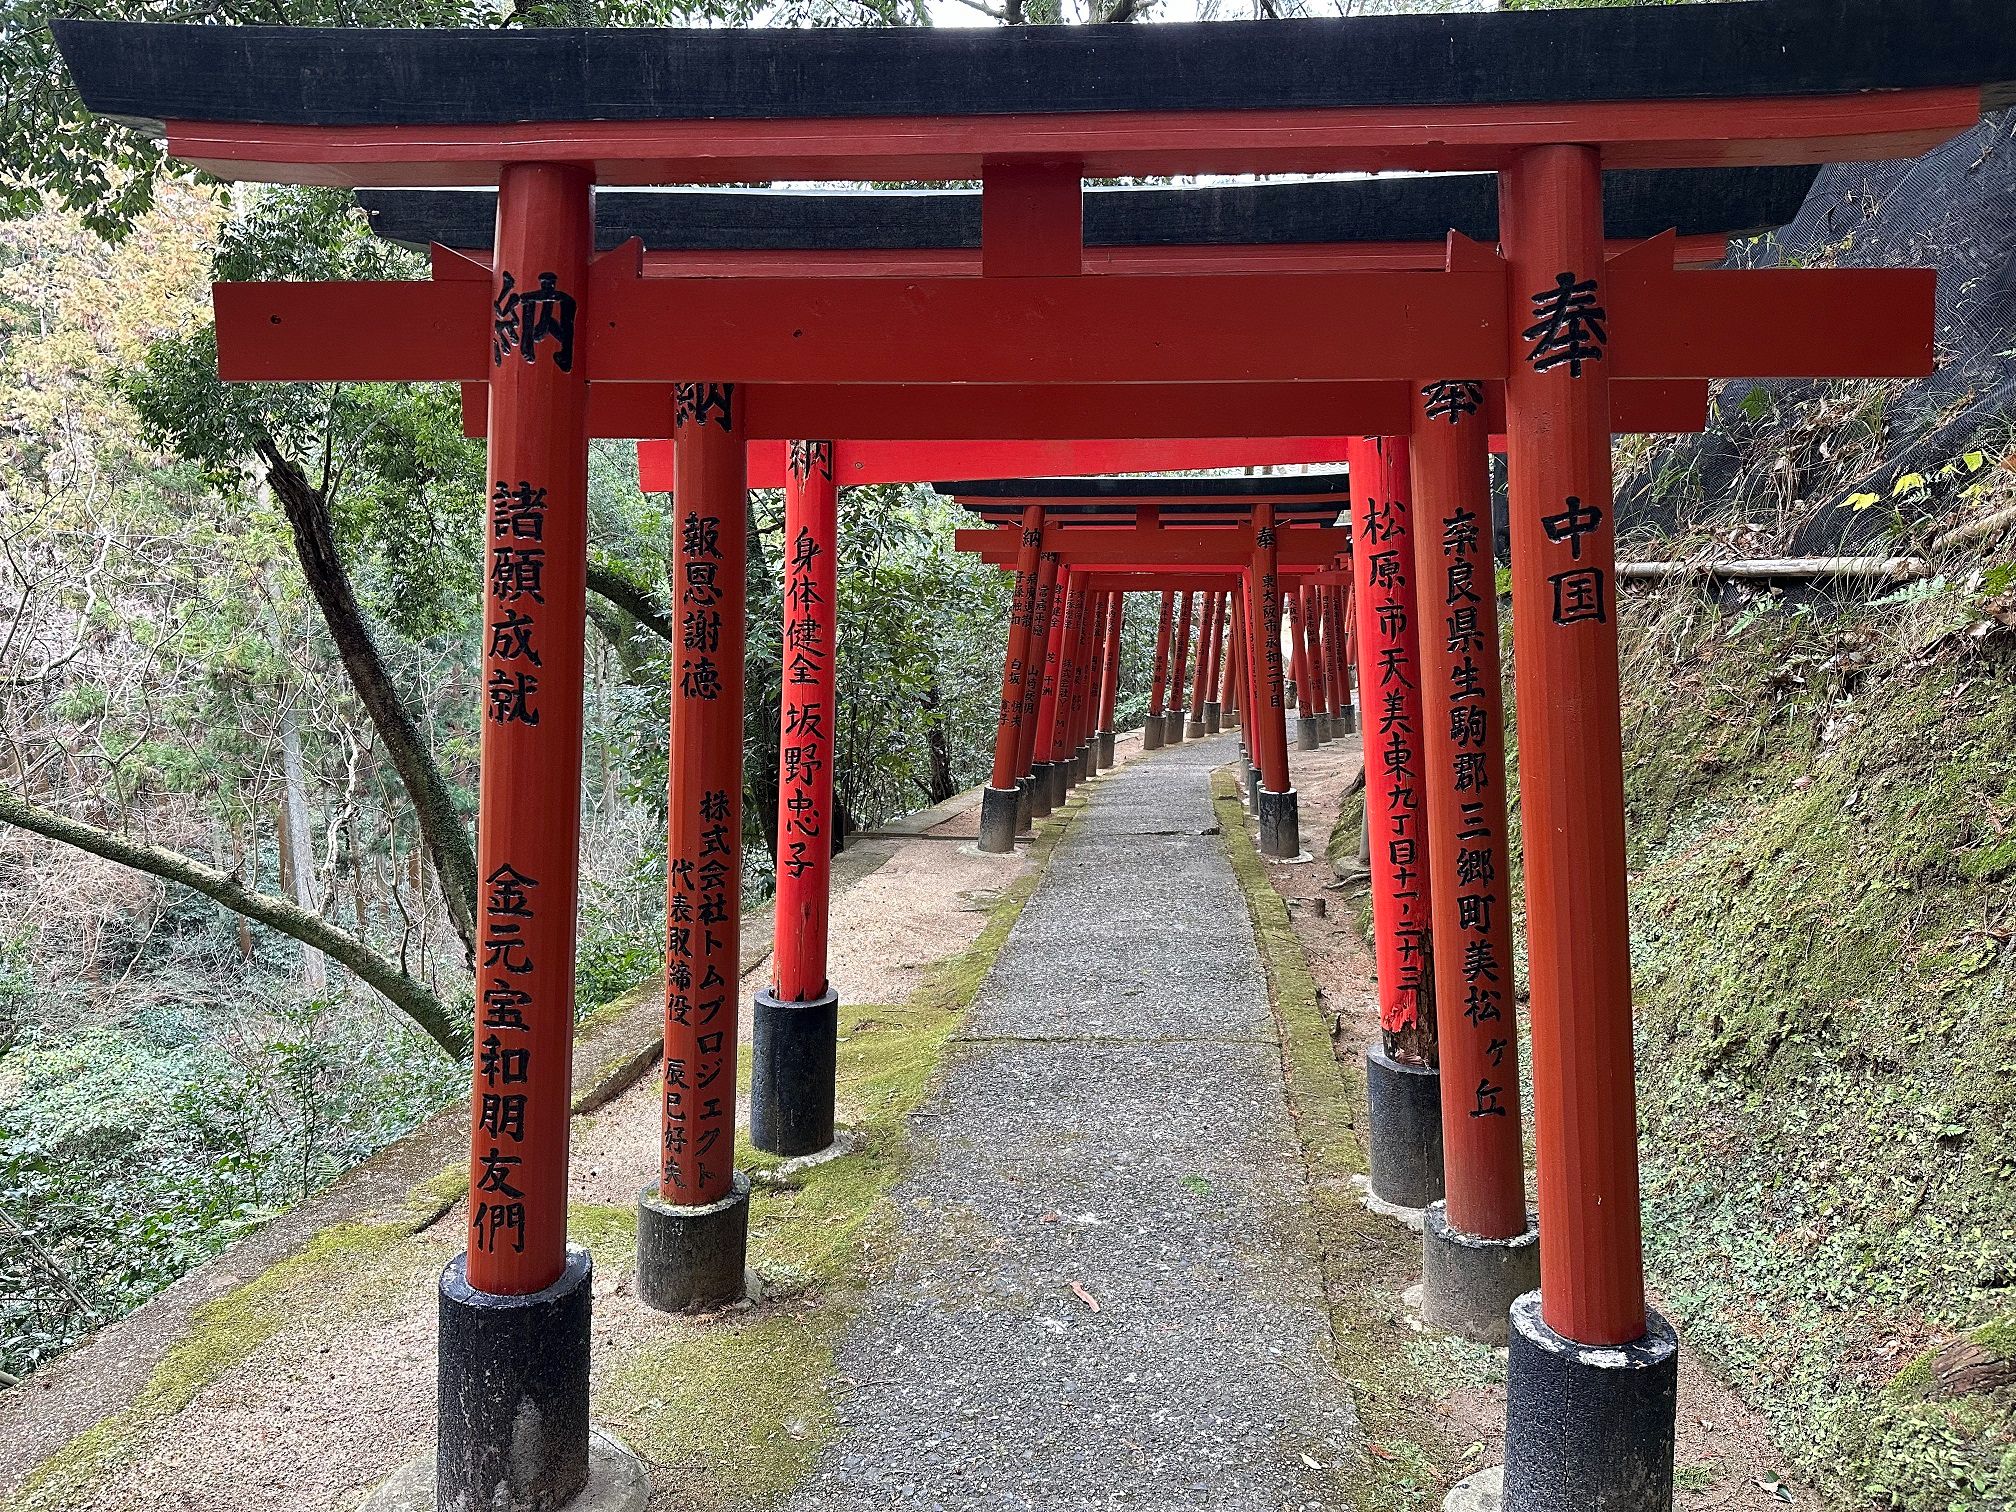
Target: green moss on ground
1823 823
738 1406
1397 1381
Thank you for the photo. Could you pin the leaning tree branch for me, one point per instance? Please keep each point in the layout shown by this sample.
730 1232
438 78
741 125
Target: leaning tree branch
413 999
632 598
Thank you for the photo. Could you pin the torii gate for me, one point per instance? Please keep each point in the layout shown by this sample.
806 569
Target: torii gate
1546 99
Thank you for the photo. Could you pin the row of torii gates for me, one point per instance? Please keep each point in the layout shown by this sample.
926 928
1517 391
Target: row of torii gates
1393 325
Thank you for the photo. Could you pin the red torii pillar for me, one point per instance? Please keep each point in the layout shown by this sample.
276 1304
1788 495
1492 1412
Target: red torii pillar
1054 722
1590 1364
514 1306
1207 630
1071 688
1275 806
797 1021
1172 716
1000 804
1402 1087
1217 688
1091 674
1308 704
1151 732
1109 689
1235 653
1035 789
693 1226
1338 643
1479 1252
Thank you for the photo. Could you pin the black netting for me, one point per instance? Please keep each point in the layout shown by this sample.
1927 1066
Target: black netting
1785 455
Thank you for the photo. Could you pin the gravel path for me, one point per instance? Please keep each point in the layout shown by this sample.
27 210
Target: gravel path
1111 1130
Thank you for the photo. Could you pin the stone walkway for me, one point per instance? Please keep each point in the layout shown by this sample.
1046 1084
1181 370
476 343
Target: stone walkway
1111 1130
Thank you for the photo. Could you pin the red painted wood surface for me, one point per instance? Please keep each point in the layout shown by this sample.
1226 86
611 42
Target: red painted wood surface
1570 763
1389 634
1061 598
1041 614
1016 662
1116 549
1268 738
703 893
1116 144
1122 328
528 825
1109 690
1164 635
1463 781
1298 644
806 724
1180 657
1330 597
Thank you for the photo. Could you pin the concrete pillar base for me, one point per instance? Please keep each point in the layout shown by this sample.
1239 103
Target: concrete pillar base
618 1481
1468 1284
1214 718
1060 782
501 1362
1105 750
1041 803
1000 810
1586 1427
1308 732
1081 763
1252 790
692 1257
793 1064
1404 1107
1280 825
1025 806
1231 717
1172 728
1151 733
1193 729
1347 722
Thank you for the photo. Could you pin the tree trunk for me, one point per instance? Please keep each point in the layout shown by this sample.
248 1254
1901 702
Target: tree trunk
935 743
447 1029
441 828
297 848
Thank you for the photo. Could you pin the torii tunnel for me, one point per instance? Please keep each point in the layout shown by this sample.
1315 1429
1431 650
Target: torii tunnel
1556 296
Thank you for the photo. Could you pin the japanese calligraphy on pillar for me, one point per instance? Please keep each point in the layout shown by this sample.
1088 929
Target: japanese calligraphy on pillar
808 655
503 1060
1390 672
517 589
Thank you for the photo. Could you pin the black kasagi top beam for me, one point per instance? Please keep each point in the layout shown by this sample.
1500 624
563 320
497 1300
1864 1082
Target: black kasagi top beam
329 77
1638 204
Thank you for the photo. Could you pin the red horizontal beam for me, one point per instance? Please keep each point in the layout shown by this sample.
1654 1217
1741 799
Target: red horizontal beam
1226 548
1117 329
1478 138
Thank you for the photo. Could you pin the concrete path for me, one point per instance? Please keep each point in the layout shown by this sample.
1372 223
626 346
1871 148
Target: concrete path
1113 1117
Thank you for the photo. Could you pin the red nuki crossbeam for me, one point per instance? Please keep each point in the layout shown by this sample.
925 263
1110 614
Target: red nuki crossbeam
1226 548
1119 328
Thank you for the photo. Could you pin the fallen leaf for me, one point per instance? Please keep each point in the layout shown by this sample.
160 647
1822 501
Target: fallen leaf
1085 1296
1383 1453
1310 1463
1051 1218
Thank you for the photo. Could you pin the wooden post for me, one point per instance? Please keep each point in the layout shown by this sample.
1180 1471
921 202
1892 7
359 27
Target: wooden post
1592 1381
1217 688
1172 719
1151 733
1308 733
1109 690
1207 630
1463 781
797 1022
693 1230
514 1306
1280 820
1001 802
1036 795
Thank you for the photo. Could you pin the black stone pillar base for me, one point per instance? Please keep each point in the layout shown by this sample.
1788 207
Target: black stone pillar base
1280 825
1347 722
999 823
793 1060
1588 1429
1308 732
1060 783
1214 717
692 1257
1253 790
1404 1104
1025 806
1151 733
1468 1284
1042 791
1172 727
1105 750
504 1362
1081 762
